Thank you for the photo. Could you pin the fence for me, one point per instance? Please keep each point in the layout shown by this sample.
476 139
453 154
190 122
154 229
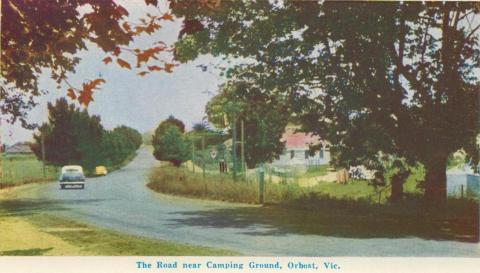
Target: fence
463 185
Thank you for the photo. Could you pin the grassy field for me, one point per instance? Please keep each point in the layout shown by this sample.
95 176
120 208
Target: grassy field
23 169
316 171
351 210
27 230
181 181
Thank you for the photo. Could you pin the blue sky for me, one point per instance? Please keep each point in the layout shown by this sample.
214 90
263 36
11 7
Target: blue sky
127 99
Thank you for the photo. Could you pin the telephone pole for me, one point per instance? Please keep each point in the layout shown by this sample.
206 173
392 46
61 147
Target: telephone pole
242 133
193 154
203 156
234 147
43 153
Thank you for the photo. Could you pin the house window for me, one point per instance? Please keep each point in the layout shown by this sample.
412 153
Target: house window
292 154
307 154
321 153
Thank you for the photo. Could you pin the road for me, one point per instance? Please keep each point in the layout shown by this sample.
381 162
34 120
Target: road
122 202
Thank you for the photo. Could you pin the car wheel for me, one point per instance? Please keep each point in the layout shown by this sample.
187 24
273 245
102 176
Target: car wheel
62 187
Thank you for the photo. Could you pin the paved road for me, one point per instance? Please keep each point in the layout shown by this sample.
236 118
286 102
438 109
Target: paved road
121 201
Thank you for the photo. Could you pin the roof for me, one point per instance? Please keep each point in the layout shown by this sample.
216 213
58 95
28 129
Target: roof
19 148
299 140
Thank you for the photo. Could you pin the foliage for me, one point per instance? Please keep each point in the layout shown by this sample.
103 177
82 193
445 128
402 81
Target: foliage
72 136
265 117
170 144
39 35
368 77
171 120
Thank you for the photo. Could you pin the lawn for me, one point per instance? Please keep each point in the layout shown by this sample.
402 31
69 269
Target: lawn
183 181
351 210
316 171
23 169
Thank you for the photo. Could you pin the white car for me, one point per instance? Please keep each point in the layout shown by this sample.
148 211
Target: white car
72 175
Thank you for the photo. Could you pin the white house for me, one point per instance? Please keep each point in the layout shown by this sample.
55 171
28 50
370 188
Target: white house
463 182
297 150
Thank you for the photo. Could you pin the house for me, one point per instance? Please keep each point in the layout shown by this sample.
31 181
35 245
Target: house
463 182
19 148
297 149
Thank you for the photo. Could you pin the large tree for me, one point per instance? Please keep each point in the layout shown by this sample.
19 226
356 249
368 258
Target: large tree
71 136
398 78
264 117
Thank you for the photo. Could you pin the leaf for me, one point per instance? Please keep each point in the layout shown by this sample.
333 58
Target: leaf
151 2
122 11
116 51
71 93
107 60
154 68
168 67
123 63
96 82
167 16
143 73
126 26
86 95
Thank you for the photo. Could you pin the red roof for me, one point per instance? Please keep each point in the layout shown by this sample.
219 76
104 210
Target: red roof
299 140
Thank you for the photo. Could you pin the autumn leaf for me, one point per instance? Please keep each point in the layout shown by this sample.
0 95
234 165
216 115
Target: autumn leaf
96 82
107 60
86 95
123 63
168 67
151 2
122 11
143 73
116 51
167 16
154 68
71 93
126 26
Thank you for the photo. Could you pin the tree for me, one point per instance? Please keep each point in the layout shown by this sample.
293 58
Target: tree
398 78
42 36
201 127
170 121
132 135
170 145
264 116
71 136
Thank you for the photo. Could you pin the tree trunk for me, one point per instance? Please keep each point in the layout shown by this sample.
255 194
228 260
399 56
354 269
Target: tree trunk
436 181
397 189
397 185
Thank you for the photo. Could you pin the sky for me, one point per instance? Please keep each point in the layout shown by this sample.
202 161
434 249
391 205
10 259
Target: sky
128 99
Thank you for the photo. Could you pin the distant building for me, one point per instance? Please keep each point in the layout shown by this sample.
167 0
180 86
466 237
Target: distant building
19 148
463 182
297 149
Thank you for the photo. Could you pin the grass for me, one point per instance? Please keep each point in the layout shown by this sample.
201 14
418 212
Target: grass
23 169
28 231
181 181
350 210
316 171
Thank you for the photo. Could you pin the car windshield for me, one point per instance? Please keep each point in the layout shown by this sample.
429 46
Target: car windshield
73 175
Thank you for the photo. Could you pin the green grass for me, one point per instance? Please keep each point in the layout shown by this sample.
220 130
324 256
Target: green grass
331 209
180 181
316 171
110 243
23 169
